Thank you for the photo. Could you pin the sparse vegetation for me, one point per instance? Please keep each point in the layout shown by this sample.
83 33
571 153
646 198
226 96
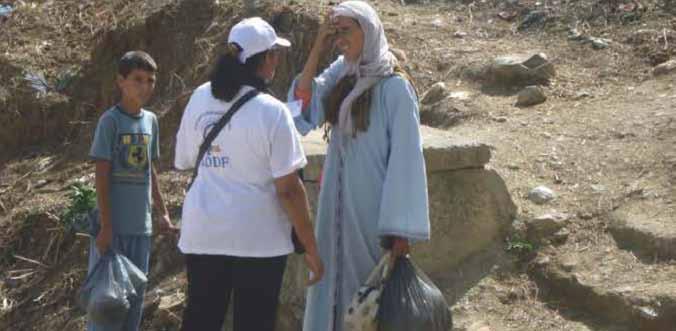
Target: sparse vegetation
519 246
82 199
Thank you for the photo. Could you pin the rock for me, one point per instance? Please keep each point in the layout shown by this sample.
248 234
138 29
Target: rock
598 188
665 68
460 34
438 23
575 35
569 263
478 326
435 94
541 195
585 215
443 152
582 95
599 43
534 18
508 15
612 286
40 183
634 229
520 70
530 96
460 95
544 226
444 114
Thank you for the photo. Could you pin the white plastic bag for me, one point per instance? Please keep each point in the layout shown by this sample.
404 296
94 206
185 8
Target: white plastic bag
361 314
106 292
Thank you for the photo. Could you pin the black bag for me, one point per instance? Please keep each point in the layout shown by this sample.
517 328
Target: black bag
410 301
213 133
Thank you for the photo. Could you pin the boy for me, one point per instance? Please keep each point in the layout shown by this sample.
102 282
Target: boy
125 144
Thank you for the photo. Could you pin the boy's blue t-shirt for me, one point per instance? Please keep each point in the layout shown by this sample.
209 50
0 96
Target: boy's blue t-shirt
130 143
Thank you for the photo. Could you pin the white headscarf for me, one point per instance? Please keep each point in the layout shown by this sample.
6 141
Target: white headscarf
375 62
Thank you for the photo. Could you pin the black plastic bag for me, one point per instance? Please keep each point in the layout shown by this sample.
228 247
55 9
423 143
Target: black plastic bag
410 301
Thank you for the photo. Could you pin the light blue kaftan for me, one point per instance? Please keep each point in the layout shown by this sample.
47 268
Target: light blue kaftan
374 186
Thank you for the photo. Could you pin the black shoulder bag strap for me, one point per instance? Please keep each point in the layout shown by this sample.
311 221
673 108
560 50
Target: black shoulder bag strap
206 144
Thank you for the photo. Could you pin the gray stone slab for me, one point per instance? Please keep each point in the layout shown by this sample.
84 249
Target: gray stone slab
646 230
443 152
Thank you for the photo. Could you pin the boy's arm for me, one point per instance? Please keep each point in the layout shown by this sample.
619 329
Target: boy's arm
164 222
105 235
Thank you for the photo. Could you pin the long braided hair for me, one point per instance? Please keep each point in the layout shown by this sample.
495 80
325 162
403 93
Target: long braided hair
361 108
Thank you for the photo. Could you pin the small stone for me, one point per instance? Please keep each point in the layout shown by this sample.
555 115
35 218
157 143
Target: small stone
438 23
543 260
479 326
582 95
665 68
546 225
436 93
460 95
599 43
554 216
541 195
575 35
534 18
561 236
520 70
530 96
585 215
460 34
648 312
500 119
598 188
40 183
569 264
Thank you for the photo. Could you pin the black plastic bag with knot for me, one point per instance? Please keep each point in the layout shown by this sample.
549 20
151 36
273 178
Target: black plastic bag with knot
410 301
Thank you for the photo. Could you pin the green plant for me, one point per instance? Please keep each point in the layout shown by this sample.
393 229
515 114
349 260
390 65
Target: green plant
82 200
519 245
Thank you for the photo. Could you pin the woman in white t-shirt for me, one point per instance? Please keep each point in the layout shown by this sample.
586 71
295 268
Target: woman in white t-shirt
239 212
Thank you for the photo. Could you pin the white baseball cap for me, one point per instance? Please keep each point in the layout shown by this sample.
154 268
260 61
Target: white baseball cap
254 35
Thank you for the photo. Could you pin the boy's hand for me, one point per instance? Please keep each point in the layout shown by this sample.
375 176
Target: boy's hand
104 239
165 225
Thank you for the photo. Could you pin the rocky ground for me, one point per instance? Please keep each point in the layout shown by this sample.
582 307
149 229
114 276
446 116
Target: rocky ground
597 256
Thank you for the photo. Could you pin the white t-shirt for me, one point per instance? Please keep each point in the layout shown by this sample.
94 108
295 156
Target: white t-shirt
232 207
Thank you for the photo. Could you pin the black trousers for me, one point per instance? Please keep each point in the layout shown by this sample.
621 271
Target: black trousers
254 282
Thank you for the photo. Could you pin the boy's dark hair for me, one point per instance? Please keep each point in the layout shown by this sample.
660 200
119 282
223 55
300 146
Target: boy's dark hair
229 74
133 60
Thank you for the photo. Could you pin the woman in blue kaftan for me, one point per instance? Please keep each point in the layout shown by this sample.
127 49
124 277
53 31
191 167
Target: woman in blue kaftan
374 186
